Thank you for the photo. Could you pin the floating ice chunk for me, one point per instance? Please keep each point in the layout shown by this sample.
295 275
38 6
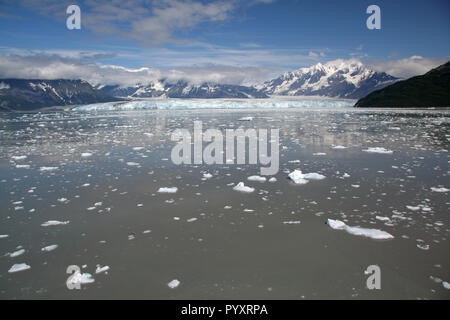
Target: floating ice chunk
3 236
313 176
246 119
291 222
436 189
167 190
48 169
378 150
22 166
319 154
446 285
173 284
138 148
357 231
86 154
339 147
256 178
54 223
382 218
17 158
78 278
273 179
207 175
298 177
423 246
19 267
100 269
413 208
17 253
49 248
240 187
132 164
191 220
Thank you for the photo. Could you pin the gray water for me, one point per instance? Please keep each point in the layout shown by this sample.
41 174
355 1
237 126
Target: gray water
243 252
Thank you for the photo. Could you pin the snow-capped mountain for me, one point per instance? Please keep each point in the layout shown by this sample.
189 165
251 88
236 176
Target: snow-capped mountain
26 94
182 89
339 78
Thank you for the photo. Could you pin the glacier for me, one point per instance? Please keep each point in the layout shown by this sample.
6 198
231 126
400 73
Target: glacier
182 104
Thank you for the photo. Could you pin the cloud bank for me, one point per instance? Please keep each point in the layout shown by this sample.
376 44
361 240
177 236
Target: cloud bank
408 67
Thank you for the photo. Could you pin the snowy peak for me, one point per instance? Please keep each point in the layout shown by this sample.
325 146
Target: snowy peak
339 78
182 89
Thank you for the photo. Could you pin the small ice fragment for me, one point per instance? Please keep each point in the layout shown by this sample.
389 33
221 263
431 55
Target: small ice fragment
240 187
49 248
17 253
339 147
3 236
256 178
413 208
291 222
173 284
273 179
132 164
191 219
167 190
446 285
22 166
436 189
54 223
138 148
382 218
48 169
78 278
61 200
357 231
378 150
298 177
86 154
246 119
207 175
19 267
100 269
16 158
423 246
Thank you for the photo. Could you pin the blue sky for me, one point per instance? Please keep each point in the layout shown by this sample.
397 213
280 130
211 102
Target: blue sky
259 36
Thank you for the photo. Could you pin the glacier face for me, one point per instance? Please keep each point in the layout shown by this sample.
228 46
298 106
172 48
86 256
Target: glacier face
339 78
180 104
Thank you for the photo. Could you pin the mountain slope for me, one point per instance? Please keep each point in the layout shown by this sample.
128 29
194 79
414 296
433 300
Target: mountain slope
182 89
339 78
429 90
26 95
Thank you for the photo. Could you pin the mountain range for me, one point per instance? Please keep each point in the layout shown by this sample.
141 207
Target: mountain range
339 78
27 95
349 79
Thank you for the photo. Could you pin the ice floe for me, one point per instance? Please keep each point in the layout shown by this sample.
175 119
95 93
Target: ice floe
19 267
78 278
101 269
240 187
54 223
49 248
17 253
441 189
302 178
378 150
358 231
256 178
173 284
167 190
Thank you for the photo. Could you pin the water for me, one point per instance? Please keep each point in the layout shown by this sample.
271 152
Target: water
117 219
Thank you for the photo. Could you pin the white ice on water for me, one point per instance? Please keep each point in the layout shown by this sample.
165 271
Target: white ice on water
54 223
240 187
256 178
49 248
302 178
358 231
378 150
173 284
168 190
19 267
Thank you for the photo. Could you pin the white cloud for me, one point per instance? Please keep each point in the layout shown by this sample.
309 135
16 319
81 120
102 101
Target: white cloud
408 67
56 67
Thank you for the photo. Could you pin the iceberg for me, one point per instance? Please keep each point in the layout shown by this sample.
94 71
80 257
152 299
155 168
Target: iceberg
19 267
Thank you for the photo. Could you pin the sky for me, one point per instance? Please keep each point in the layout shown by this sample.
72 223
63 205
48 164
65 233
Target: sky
232 41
